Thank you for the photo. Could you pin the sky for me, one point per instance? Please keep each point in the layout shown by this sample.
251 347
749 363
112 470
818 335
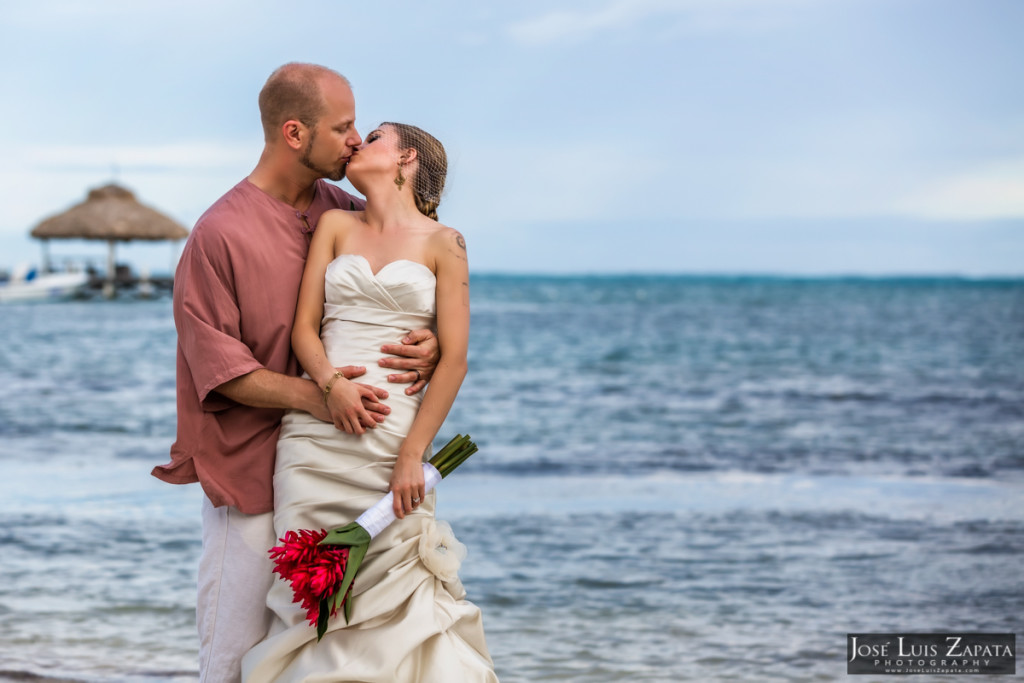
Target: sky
799 137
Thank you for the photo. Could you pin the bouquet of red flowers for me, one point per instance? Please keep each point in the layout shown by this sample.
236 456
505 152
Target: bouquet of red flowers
320 565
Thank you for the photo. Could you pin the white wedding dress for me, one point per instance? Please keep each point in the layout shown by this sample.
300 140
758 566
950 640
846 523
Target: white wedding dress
409 623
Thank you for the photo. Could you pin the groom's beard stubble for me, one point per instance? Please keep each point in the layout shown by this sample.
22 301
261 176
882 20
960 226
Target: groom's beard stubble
307 161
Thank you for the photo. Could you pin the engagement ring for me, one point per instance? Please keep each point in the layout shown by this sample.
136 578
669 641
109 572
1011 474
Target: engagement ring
415 500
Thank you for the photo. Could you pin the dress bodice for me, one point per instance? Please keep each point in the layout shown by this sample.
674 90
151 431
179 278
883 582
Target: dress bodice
400 286
363 309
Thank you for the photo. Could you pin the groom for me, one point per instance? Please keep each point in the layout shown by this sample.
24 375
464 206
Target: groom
234 301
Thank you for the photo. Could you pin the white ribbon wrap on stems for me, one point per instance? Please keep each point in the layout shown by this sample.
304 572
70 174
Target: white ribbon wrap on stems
378 517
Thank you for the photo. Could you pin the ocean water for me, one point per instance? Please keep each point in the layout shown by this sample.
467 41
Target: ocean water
680 478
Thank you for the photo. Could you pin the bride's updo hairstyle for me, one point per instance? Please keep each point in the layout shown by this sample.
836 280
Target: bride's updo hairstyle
432 167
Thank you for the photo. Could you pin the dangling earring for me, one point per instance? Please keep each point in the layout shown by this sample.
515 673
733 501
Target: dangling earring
399 179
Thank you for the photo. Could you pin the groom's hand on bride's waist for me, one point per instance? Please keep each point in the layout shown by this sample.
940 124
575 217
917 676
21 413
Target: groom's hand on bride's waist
416 356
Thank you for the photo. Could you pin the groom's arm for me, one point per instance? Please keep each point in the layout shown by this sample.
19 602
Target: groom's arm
268 389
223 368
416 355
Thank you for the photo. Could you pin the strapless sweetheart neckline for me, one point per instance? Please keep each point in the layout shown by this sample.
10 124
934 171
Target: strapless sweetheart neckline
365 261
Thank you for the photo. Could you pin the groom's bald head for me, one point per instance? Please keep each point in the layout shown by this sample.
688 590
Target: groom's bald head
294 92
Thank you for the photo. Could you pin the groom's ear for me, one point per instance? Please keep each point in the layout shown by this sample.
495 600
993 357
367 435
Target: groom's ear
294 133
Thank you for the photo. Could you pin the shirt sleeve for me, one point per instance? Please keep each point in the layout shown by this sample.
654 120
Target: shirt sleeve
207 318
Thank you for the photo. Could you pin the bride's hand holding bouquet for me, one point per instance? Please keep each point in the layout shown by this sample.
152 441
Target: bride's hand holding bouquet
407 482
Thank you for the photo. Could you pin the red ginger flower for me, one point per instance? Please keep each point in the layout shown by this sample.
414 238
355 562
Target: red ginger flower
314 571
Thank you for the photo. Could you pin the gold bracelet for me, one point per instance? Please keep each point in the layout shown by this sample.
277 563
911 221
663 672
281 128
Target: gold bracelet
330 383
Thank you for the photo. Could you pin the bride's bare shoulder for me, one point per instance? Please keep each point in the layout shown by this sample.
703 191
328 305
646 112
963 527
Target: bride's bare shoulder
333 218
337 223
448 243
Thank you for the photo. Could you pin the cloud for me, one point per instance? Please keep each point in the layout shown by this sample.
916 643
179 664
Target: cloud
702 15
571 181
178 179
809 188
568 25
110 13
178 157
845 179
991 191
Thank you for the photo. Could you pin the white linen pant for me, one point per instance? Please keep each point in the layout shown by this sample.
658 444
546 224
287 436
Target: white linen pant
235 573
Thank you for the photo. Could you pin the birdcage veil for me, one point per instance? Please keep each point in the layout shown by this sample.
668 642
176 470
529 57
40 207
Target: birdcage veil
431 170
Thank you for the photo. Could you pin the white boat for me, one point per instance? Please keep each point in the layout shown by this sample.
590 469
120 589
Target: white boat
27 284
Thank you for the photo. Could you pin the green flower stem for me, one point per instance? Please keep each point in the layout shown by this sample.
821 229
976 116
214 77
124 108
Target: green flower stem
454 453
451 447
460 458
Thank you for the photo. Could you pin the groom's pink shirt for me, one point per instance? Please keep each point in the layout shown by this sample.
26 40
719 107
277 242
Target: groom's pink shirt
235 291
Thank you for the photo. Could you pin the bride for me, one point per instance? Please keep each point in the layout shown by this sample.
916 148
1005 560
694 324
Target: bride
390 268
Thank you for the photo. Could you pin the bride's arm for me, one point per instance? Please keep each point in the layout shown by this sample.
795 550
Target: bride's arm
347 401
452 295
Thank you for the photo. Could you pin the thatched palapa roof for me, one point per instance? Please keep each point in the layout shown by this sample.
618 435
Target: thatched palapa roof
110 212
